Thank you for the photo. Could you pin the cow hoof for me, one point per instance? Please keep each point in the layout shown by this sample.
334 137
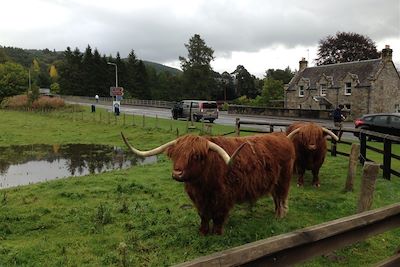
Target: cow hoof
317 185
299 185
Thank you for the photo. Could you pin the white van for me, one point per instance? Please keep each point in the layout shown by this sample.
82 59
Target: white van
196 110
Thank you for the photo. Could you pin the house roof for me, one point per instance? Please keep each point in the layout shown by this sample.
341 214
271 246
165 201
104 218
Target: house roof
365 70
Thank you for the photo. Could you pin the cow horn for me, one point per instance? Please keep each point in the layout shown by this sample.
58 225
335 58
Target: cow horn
148 153
227 159
291 135
334 136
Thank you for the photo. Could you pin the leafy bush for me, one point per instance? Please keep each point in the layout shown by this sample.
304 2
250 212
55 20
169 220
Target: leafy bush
21 102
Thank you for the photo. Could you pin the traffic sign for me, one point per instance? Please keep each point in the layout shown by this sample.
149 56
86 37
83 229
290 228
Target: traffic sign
114 91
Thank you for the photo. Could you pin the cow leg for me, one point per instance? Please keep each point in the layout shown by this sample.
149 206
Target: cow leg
280 197
315 181
218 222
204 225
300 179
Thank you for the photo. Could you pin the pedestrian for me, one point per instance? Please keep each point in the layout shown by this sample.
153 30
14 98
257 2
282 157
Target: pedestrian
338 119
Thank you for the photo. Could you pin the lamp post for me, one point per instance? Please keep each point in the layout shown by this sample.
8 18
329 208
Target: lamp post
116 72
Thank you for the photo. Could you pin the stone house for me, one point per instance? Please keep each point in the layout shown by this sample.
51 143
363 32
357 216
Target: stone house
368 86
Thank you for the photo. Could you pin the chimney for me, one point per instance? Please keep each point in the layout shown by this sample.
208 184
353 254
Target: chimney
387 54
302 64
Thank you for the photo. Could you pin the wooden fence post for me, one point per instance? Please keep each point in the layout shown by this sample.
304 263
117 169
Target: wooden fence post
363 147
387 158
370 172
353 161
333 147
237 126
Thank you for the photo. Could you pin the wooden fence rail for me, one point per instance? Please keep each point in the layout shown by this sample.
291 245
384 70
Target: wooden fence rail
388 141
300 245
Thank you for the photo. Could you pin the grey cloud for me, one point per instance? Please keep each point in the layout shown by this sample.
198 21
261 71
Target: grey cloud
227 26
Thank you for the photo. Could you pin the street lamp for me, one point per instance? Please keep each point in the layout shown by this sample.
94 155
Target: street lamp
116 72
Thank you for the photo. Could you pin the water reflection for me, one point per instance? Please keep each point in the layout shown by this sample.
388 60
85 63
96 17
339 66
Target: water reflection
35 163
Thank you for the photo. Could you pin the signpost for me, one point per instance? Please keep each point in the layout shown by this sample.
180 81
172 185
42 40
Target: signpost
116 92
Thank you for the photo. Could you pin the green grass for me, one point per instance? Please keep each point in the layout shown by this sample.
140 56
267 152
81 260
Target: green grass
140 216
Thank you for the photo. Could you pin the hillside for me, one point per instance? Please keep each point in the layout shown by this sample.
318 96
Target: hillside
26 56
160 67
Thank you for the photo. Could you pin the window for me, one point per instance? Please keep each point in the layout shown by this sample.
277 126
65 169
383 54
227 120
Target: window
347 88
323 89
301 91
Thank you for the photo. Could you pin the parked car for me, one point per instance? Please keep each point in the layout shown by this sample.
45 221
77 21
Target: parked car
387 123
196 110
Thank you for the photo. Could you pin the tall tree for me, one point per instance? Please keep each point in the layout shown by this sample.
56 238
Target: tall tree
245 82
198 75
345 47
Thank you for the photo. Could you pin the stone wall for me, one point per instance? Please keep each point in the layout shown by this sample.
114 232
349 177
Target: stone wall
281 112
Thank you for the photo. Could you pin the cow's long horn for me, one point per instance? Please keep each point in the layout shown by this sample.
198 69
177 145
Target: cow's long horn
148 153
334 136
227 159
292 134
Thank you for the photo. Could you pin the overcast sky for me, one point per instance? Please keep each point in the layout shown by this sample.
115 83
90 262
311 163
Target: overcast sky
258 34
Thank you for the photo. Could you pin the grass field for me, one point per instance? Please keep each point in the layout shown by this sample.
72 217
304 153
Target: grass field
140 216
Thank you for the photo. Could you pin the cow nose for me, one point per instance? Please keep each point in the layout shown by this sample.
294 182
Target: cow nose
312 147
177 174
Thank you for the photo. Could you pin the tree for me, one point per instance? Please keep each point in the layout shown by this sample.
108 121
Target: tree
198 76
281 75
272 90
245 82
53 73
345 47
13 79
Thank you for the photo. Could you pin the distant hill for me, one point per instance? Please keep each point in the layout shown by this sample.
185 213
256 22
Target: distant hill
160 67
26 56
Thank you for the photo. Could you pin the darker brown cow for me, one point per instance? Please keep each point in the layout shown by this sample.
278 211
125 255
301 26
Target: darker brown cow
310 145
263 166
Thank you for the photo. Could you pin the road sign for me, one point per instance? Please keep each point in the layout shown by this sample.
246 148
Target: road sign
114 91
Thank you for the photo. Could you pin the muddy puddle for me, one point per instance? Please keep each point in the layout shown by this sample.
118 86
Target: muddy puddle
21 165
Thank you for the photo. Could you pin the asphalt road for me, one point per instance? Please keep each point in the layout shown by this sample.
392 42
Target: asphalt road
224 118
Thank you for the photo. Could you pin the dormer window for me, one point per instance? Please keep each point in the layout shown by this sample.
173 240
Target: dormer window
347 88
301 91
323 89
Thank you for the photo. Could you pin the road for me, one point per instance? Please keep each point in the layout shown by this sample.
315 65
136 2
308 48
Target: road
223 119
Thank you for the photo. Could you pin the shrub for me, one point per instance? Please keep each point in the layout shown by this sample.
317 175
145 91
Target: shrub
21 102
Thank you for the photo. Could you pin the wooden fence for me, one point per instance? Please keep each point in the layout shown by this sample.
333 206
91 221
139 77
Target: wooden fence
295 247
388 141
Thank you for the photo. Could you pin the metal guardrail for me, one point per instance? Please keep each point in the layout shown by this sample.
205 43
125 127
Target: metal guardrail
133 102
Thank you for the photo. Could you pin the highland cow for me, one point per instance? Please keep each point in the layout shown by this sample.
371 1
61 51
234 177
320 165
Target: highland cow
309 141
263 166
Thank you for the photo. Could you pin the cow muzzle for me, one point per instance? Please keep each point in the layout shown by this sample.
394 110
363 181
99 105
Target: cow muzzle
178 175
312 147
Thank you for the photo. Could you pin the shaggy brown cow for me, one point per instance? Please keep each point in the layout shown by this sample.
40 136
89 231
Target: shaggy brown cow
310 145
262 167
